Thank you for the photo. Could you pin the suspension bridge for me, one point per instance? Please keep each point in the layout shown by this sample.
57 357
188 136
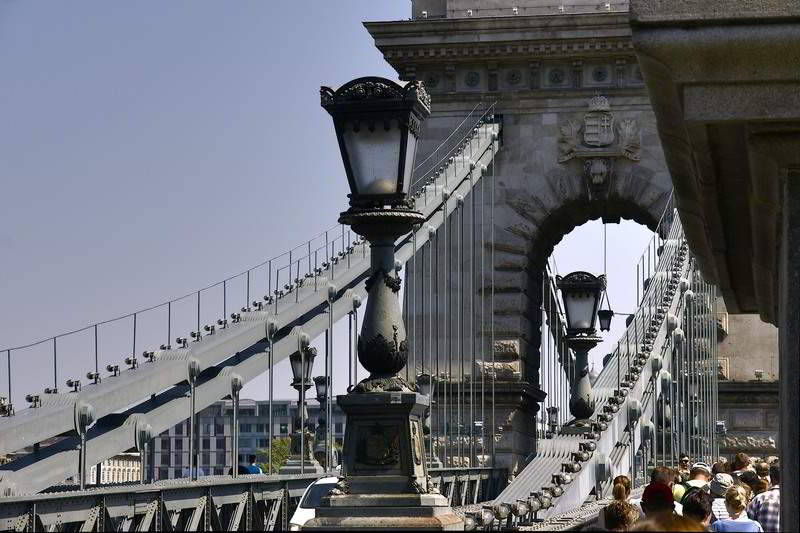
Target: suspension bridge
654 396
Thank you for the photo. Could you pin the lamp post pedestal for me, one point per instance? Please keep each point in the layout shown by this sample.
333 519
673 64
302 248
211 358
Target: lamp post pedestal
302 460
581 399
384 482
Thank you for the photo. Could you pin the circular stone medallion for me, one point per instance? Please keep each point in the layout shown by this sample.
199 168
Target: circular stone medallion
556 76
472 79
513 77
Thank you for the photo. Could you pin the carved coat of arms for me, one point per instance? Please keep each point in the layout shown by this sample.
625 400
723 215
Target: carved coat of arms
598 141
598 123
598 136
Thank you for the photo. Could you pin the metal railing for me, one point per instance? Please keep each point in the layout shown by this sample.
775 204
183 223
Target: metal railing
250 503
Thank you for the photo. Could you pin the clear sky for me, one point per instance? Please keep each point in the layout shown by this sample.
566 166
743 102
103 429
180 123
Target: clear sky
151 148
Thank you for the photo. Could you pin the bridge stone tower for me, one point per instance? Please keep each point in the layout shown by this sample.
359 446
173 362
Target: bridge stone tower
578 143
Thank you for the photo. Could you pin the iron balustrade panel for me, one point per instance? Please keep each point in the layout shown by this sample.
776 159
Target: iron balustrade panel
219 501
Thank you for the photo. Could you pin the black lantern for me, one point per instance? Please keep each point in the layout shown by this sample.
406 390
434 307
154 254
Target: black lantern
424 384
302 364
552 415
581 292
604 316
321 383
377 125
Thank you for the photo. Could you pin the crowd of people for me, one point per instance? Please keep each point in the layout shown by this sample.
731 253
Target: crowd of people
742 495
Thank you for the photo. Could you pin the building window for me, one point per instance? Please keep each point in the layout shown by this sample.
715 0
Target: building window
165 443
205 457
219 428
338 427
245 443
205 443
262 443
164 459
284 429
219 471
179 429
221 456
178 444
178 460
259 428
247 412
220 443
163 473
206 429
244 428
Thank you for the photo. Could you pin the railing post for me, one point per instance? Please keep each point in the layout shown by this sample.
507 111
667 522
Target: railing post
194 371
236 386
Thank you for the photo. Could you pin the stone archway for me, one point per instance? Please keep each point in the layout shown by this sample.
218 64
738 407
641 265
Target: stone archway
579 142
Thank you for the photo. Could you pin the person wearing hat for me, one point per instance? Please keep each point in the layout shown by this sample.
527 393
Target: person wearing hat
719 485
657 501
699 477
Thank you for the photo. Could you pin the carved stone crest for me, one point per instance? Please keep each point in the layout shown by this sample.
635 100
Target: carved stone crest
597 136
599 140
598 123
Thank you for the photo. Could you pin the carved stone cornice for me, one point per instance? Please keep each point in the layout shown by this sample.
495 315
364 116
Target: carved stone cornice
522 38
517 52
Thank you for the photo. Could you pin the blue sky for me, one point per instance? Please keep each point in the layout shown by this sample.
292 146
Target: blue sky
151 148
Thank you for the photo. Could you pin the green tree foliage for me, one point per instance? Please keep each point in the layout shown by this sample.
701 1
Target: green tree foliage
280 455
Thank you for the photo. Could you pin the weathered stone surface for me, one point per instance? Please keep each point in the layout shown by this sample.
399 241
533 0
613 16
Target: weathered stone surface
675 11
498 370
507 348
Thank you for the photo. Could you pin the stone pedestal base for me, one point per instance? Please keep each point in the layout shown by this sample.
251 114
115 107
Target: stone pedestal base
387 511
309 466
384 482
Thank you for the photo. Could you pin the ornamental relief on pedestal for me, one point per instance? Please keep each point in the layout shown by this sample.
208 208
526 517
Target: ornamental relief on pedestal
599 141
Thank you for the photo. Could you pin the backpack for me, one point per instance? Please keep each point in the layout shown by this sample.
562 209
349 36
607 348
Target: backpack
689 489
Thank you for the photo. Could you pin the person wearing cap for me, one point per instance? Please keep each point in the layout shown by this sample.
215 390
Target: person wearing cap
719 485
699 477
664 476
657 501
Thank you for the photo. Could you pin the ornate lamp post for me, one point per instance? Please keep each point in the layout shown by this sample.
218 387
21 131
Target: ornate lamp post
302 459
384 482
322 451
581 292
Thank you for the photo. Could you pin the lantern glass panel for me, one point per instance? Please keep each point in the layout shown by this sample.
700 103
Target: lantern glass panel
296 363
604 316
321 384
374 157
580 308
309 362
410 155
